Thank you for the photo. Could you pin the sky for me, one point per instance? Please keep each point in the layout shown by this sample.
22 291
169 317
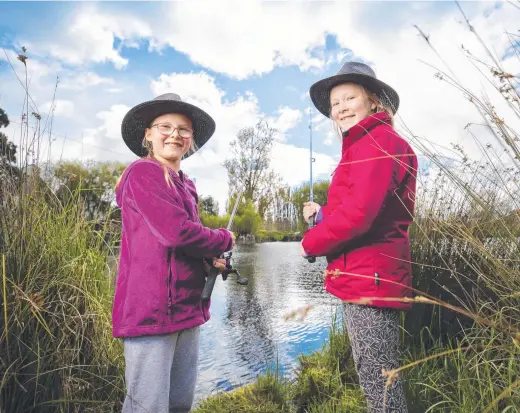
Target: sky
243 62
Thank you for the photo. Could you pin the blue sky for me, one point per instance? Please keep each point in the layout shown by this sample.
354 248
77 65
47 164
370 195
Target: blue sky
242 62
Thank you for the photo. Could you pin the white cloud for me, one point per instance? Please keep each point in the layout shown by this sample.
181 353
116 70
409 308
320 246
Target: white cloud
259 36
84 80
105 140
112 120
59 108
286 119
324 127
101 143
91 35
329 139
285 157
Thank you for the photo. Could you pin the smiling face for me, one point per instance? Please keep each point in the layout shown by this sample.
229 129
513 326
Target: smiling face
349 105
170 136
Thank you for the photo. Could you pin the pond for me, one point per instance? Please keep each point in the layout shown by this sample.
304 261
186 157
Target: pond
247 332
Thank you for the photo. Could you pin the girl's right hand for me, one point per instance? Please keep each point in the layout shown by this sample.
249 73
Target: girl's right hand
310 209
233 239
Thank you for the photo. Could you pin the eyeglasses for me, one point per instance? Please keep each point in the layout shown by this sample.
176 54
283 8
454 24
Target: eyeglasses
167 129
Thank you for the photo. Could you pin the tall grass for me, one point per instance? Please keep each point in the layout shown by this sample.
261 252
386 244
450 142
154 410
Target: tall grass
56 351
466 251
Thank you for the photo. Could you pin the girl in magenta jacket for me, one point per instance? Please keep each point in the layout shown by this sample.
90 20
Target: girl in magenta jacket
157 306
363 229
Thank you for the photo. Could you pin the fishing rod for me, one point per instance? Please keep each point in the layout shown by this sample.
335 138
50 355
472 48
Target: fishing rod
310 258
214 271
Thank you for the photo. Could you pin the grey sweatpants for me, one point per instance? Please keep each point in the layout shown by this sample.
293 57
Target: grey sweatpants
161 372
374 337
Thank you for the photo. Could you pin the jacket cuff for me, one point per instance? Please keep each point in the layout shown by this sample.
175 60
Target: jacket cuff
319 216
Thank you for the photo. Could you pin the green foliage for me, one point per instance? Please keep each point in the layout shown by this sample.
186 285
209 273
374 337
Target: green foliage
7 149
93 183
269 236
266 395
207 205
465 380
248 221
302 194
264 236
214 221
4 119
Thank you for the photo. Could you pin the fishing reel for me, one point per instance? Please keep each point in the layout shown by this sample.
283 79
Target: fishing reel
230 270
214 272
310 258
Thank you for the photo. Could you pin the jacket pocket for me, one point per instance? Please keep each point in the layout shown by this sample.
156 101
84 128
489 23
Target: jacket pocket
356 268
392 263
170 281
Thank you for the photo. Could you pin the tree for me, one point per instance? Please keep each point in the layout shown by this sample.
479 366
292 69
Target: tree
281 216
7 150
302 194
92 183
248 221
214 221
208 205
4 120
249 166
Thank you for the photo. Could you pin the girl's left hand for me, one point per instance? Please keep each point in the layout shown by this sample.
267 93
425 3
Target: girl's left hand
310 209
219 263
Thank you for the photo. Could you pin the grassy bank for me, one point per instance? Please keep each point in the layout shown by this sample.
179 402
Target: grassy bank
324 382
274 236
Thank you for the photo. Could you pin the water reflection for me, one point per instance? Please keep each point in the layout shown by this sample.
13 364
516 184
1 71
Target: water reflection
247 331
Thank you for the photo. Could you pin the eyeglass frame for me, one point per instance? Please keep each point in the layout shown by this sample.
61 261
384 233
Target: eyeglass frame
174 128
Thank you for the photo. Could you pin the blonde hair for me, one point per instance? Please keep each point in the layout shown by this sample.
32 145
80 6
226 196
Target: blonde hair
374 100
149 154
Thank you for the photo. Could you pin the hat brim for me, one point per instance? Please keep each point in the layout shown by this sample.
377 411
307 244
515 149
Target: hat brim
320 91
139 118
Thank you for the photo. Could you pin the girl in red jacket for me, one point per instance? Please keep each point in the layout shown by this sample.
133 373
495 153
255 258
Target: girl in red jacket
363 229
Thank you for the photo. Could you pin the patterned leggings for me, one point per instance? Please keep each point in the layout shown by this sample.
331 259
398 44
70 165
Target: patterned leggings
374 337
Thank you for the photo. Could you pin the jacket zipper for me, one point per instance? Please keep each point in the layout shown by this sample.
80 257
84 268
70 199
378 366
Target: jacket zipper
170 276
202 304
376 276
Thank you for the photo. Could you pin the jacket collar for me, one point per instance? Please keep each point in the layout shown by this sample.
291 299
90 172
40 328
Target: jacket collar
360 129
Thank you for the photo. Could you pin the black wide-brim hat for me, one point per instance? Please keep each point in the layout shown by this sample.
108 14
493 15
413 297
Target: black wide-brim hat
139 118
353 72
